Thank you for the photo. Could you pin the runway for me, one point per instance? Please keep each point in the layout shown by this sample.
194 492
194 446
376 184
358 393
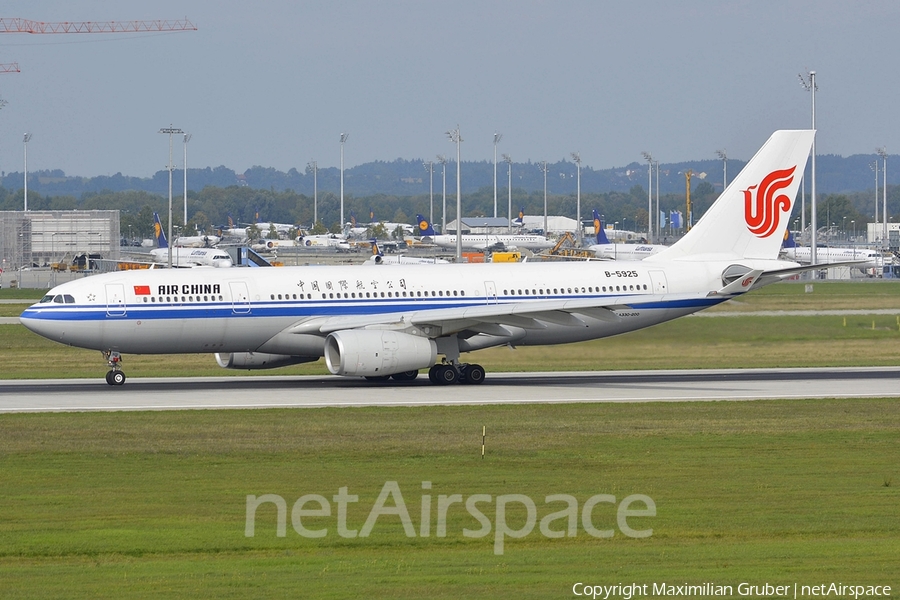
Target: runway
243 392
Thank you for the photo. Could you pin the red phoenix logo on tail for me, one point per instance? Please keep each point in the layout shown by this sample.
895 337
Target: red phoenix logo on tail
763 214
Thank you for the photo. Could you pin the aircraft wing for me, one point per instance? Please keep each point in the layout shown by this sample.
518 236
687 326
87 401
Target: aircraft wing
444 321
777 275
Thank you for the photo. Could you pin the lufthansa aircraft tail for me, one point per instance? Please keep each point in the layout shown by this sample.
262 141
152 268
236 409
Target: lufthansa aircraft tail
158 232
598 227
425 228
520 220
789 241
750 217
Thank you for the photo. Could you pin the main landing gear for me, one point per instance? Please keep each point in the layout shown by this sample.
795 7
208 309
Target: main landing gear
115 376
448 373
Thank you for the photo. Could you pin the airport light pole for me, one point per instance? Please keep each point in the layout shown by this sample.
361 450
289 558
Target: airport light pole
443 160
882 152
313 166
724 158
577 158
544 168
26 139
649 158
429 166
187 138
657 202
344 137
810 86
456 138
509 190
497 138
171 131
874 167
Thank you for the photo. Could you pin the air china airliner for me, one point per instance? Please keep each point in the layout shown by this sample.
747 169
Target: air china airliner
392 322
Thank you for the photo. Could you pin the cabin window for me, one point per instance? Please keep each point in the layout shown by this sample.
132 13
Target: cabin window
145 300
454 292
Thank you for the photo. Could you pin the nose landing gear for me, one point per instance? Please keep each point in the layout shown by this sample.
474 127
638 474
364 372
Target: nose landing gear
115 376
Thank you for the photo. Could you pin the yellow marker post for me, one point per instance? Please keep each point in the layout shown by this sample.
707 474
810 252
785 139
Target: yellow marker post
482 442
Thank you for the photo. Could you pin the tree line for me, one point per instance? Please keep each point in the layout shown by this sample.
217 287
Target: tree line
211 207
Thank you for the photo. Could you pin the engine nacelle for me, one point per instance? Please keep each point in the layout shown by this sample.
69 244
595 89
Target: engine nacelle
259 360
377 352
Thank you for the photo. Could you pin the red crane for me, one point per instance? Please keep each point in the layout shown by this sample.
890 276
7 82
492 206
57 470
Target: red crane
29 26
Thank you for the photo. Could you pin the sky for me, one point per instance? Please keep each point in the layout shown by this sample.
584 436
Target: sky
275 83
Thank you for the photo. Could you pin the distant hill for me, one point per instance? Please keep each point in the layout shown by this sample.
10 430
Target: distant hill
834 174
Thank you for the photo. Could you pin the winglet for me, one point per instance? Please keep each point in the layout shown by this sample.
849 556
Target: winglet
740 285
425 228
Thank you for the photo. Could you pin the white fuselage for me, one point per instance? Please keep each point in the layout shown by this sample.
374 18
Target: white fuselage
480 242
197 241
271 310
873 259
625 251
192 257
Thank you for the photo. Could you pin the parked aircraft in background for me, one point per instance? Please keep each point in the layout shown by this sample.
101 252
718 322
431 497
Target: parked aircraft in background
608 250
378 258
868 258
327 240
391 322
197 241
186 257
474 241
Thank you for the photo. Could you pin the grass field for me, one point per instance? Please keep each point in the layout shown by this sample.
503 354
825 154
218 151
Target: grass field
153 504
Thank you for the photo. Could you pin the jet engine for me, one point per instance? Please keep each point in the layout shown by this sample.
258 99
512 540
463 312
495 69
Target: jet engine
377 352
259 360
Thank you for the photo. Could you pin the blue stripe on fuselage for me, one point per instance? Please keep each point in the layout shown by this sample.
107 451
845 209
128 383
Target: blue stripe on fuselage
307 308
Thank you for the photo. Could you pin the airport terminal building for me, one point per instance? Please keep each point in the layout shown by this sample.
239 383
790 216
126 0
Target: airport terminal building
42 238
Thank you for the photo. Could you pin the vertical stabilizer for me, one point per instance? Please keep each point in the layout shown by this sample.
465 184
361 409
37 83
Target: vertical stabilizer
158 232
425 228
598 227
750 217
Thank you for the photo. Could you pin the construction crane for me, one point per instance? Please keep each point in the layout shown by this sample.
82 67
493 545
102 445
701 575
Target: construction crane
29 26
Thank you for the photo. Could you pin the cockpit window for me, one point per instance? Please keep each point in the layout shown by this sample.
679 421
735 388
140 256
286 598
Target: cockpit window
69 299
58 299
46 299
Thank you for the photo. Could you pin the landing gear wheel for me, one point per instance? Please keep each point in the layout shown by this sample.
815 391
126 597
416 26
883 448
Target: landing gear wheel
473 374
432 374
447 375
405 376
115 377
